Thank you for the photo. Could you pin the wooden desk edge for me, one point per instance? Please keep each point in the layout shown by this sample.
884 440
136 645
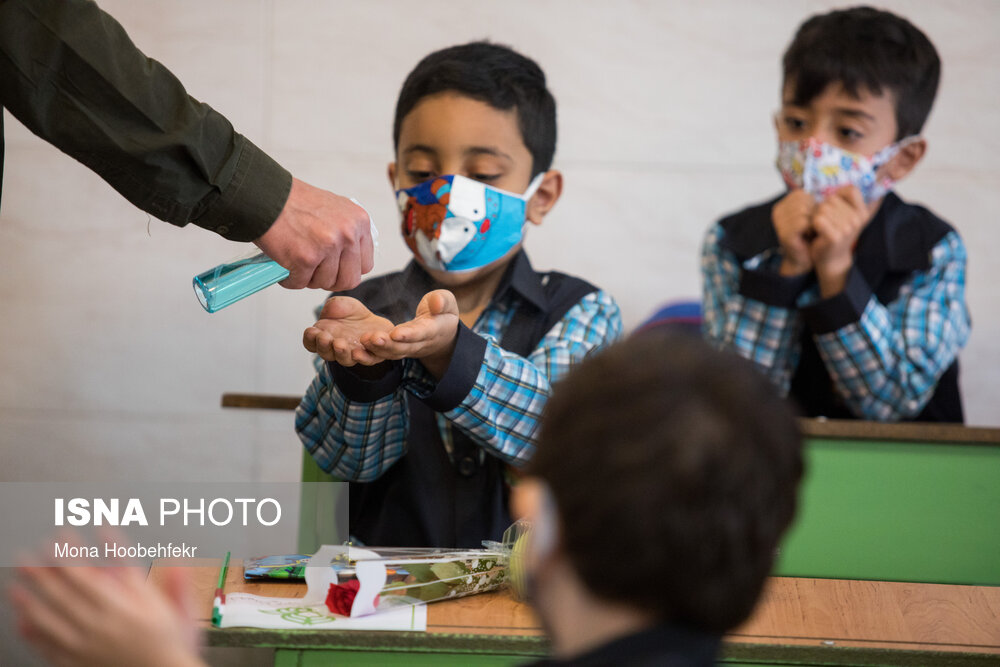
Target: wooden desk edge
784 650
811 428
849 429
260 401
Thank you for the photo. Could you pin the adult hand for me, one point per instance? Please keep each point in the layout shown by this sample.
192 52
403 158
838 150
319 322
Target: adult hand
323 239
94 616
338 335
429 336
838 221
792 218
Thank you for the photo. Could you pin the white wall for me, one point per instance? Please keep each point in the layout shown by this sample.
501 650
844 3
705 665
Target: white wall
109 368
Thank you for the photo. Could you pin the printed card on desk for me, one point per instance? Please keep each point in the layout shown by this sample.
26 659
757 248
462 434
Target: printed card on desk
255 611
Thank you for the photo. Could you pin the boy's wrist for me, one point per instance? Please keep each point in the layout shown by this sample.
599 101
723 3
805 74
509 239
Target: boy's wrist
437 362
790 268
460 373
372 373
832 277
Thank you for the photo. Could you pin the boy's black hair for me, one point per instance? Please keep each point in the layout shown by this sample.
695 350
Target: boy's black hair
865 48
674 468
496 75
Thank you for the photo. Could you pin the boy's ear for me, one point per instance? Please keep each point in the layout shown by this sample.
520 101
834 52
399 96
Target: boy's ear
906 159
545 196
391 171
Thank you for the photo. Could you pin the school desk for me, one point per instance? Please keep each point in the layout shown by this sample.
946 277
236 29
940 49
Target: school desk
900 502
799 621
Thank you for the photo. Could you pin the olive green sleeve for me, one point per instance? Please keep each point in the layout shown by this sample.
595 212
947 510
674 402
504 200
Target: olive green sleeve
70 73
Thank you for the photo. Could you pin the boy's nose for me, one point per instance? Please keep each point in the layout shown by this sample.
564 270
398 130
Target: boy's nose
820 137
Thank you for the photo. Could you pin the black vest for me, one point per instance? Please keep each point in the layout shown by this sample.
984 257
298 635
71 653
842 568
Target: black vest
428 498
897 242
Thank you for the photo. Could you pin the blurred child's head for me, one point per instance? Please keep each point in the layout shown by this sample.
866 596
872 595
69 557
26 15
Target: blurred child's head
861 80
477 111
670 472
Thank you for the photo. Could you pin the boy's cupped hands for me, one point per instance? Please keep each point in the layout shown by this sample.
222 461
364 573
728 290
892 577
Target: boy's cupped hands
350 334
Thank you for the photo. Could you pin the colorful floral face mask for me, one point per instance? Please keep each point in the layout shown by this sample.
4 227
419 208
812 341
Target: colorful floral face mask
455 223
820 168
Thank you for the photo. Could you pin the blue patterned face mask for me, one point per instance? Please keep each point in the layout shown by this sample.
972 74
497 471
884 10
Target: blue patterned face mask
820 168
454 223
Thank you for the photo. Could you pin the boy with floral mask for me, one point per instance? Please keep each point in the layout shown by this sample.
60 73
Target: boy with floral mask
431 380
851 300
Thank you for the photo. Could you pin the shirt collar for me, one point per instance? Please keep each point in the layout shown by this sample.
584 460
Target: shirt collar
519 278
523 280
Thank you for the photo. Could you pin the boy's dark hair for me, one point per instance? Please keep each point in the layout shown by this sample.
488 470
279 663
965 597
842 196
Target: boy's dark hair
866 48
674 469
496 75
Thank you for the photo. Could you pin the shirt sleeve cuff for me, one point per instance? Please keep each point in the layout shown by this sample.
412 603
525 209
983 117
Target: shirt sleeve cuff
252 201
772 288
460 377
363 389
840 309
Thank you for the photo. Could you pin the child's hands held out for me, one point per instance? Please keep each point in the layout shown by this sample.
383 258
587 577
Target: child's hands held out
341 330
792 217
429 336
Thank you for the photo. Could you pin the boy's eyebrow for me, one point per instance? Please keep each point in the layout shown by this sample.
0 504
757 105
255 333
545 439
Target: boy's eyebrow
419 148
487 150
855 113
472 150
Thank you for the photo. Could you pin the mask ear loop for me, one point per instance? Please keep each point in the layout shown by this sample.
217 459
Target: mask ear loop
545 526
887 155
534 185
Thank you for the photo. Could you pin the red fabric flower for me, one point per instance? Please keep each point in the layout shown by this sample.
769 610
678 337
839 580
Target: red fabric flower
340 597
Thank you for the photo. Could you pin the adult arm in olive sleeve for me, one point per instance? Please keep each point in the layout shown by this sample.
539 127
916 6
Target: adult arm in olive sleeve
70 73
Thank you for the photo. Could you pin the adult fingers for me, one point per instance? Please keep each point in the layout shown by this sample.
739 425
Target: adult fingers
349 269
324 276
367 250
45 625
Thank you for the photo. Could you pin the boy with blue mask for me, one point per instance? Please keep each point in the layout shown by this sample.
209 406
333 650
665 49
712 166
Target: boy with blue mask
431 380
851 300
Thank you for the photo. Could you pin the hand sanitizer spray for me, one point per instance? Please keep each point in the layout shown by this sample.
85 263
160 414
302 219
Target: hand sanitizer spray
228 283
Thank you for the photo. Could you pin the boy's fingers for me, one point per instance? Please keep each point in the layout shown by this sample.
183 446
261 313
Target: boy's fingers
339 307
435 302
397 350
309 339
852 196
413 331
362 356
342 352
324 345
402 334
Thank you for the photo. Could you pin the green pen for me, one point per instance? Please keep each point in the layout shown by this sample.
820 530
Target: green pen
220 596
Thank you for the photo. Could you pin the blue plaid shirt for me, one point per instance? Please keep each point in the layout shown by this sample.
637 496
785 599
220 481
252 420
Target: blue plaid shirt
358 440
884 359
